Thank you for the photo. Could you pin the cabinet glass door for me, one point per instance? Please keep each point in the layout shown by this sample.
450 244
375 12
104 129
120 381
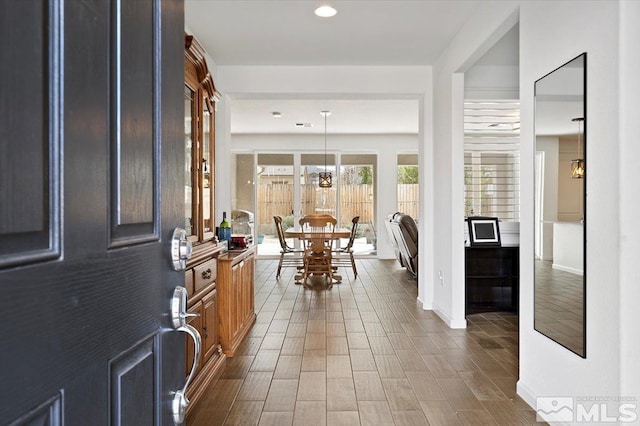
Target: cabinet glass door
189 183
207 169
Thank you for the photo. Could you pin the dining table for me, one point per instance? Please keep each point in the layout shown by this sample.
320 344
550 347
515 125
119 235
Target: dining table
303 234
313 234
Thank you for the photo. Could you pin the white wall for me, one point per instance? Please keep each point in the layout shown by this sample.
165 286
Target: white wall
488 25
492 82
629 233
337 82
551 33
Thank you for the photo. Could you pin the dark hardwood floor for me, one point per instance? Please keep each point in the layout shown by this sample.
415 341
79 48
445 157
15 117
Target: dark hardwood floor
364 352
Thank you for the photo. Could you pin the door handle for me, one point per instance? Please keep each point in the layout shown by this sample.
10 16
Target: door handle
181 249
179 317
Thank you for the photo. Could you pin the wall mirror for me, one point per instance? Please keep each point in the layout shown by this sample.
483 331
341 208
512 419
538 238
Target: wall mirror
560 200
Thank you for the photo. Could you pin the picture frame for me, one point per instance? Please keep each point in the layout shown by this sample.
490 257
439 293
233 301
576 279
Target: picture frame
484 231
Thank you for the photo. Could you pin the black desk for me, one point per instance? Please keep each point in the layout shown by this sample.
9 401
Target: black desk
492 279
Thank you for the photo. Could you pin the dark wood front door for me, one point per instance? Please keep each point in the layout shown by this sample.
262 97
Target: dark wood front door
91 130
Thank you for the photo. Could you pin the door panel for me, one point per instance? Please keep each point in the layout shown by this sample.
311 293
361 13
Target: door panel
84 250
132 385
134 132
29 229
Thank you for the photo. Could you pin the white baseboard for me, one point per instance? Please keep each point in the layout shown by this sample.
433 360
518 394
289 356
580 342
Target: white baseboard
525 393
425 306
460 323
567 269
529 397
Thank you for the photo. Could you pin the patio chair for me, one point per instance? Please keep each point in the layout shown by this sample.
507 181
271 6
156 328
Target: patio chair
340 259
289 256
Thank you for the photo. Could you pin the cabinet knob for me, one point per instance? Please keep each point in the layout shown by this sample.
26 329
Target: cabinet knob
206 274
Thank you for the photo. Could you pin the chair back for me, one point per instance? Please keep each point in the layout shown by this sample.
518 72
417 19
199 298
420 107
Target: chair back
406 233
316 225
319 222
280 231
352 236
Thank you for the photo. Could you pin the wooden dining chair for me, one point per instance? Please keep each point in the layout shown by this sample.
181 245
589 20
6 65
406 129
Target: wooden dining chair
289 256
341 253
318 222
317 255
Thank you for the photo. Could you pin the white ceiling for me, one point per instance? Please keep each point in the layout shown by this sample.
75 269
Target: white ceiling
276 32
347 116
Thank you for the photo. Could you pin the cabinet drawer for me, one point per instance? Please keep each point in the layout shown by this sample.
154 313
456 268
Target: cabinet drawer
205 274
188 282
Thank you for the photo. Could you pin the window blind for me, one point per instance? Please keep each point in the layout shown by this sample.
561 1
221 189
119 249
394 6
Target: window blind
492 159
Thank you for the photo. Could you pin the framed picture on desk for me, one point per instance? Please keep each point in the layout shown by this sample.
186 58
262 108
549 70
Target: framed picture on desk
483 231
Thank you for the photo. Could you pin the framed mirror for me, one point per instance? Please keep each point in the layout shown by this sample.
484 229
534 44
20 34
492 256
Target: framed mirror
560 205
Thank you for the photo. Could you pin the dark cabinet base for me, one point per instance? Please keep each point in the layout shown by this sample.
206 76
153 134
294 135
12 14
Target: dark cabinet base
492 279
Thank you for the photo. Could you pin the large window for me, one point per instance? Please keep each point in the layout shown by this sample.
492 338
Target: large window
316 200
408 188
492 159
357 198
274 186
287 185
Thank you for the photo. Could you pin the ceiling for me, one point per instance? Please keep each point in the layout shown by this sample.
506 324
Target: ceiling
359 116
276 32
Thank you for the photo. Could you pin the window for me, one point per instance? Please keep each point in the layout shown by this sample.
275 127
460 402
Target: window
492 159
408 188
357 198
274 196
316 200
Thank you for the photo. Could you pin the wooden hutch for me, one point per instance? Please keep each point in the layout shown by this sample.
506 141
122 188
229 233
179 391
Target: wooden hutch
220 284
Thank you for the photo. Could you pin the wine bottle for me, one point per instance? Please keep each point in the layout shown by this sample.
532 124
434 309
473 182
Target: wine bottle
225 230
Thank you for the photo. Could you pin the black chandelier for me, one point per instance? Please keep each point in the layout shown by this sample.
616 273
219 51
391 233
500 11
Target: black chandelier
325 178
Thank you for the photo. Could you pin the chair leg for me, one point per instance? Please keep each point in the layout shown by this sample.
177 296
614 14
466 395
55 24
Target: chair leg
279 266
353 265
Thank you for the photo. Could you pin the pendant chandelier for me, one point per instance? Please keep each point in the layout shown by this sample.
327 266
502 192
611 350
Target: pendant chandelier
577 165
325 176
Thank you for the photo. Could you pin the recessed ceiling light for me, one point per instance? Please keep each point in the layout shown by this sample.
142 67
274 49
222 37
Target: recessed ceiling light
325 11
276 114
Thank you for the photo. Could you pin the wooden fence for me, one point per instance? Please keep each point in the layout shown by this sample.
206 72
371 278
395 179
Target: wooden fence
355 200
408 199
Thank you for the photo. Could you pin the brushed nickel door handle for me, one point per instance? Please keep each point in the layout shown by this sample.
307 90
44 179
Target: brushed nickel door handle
179 317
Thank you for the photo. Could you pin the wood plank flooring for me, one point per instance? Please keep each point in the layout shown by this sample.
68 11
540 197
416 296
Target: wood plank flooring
364 352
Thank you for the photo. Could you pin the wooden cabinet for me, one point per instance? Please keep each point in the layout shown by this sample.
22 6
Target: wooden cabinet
196 322
201 274
201 277
200 110
492 279
210 340
236 270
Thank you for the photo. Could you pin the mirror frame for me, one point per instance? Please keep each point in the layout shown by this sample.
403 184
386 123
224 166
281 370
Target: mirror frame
584 213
